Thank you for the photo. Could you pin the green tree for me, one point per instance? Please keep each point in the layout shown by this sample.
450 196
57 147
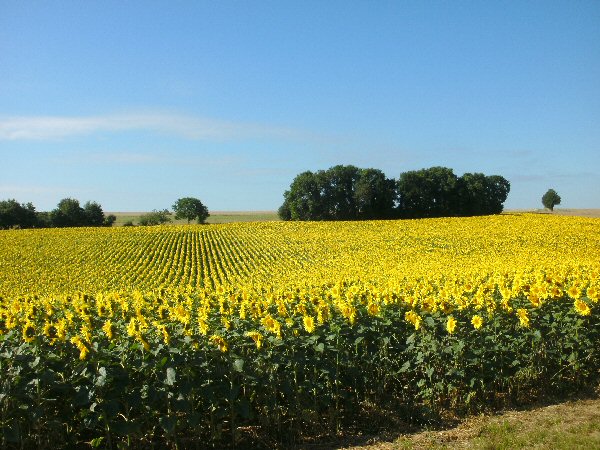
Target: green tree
304 199
109 220
337 185
191 209
155 218
375 195
68 213
428 193
16 215
339 193
479 194
550 199
497 189
93 214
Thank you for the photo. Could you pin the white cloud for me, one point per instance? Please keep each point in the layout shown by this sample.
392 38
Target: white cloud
121 158
188 127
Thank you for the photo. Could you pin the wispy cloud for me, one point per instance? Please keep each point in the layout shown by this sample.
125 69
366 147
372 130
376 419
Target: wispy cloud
123 158
184 126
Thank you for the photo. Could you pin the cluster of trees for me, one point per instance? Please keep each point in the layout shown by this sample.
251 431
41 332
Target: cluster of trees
352 193
68 213
188 208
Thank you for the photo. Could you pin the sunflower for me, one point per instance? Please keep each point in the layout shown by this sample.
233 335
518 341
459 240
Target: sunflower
523 317
451 324
29 332
477 322
108 329
51 332
309 323
414 318
219 342
582 307
256 337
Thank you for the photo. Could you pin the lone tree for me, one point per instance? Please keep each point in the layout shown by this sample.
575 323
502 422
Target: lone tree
550 199
190 208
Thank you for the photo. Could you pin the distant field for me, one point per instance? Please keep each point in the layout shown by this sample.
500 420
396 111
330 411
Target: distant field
268 216
215 217
562 212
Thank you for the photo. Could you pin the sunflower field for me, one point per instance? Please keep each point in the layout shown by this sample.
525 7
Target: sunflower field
220 335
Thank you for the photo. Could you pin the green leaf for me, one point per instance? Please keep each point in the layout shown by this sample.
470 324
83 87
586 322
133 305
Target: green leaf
404 367
97 442
171 377
320 347
11 433
238 365
168 423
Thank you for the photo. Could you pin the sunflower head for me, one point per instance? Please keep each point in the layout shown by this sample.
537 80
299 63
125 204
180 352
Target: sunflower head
477 322
29 332
451 324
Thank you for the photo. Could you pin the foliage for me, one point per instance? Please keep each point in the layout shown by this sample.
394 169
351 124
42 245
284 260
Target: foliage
437 192
14 214
109 220
550 199
190 208
155 218
350 193
428 193
68 213
339 193
183 368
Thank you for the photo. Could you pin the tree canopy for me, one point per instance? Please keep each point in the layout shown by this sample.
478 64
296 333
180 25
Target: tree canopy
351 193
155 218
68 213
550 199
339 193
190 208
14 214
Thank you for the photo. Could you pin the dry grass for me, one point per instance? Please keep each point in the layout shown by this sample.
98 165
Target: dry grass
569 425
562 212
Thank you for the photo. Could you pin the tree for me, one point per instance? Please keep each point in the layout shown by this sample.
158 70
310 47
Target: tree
190 208
68 213
93 214
497 189
428 193
304 200
550 199
109 220
375 195
479 194
339 193
16 215
155 218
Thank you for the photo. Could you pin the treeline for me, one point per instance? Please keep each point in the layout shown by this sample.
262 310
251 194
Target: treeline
352 193
68 213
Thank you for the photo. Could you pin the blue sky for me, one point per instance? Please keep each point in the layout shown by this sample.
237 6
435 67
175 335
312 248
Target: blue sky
136 103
